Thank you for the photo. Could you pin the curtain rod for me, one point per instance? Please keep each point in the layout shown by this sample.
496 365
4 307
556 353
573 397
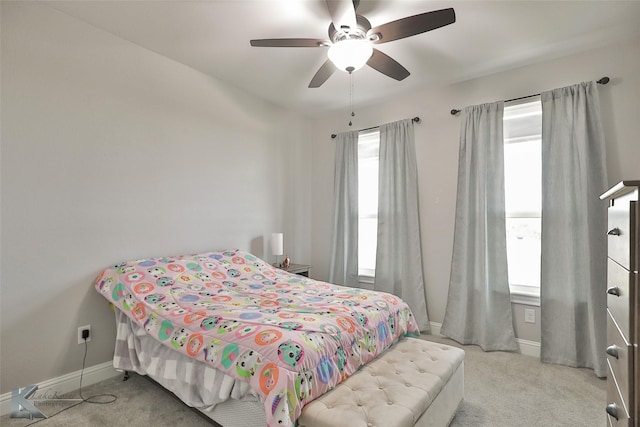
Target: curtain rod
415 120
602 81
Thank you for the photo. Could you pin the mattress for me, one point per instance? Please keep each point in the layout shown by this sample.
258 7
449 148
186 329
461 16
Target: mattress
286 338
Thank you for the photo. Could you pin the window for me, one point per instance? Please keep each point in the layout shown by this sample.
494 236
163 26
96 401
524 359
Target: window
523 196
368 161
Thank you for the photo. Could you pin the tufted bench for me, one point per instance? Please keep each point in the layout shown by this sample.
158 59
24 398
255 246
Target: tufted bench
414 383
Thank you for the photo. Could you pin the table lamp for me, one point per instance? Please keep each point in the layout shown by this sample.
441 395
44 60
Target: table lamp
277 247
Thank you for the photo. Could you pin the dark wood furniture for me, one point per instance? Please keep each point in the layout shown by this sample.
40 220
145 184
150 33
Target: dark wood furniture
301 269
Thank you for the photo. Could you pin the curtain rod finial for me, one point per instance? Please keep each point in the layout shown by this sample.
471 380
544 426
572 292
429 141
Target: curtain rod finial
454 112
604 80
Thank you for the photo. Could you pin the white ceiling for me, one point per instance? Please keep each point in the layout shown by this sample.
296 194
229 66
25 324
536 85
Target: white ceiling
488 36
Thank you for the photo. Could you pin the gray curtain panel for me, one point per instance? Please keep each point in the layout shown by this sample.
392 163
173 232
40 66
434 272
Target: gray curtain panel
479 305
344 256
399 254
574 227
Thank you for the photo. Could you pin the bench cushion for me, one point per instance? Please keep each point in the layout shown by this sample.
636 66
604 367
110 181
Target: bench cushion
392 391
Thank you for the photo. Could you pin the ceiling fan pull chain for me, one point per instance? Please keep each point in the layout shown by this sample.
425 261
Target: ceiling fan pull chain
351 96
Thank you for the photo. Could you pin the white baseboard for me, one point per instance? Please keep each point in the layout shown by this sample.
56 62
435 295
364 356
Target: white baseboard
66 383
526 347
529 348
435 328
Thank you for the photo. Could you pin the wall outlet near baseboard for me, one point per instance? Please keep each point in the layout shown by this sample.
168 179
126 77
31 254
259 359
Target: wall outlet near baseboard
81 337
529 315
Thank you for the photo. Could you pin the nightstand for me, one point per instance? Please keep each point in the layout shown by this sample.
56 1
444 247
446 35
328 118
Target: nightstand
300 269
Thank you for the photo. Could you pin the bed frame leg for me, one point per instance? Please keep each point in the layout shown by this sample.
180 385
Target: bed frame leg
126 376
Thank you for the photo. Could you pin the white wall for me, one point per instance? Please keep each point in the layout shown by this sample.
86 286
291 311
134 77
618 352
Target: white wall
437 148
111 152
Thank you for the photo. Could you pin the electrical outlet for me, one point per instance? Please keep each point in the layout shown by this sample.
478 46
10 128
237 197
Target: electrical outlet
87 328
529 315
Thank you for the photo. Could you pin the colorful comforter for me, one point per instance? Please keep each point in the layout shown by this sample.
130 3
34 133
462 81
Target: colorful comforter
292 338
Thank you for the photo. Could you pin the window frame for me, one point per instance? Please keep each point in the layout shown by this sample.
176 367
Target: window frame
526 294
369 136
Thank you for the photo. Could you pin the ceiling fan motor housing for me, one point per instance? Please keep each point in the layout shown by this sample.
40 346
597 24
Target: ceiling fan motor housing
346 33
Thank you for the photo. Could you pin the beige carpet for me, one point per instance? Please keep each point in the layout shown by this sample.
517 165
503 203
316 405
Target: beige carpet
508 389
501 389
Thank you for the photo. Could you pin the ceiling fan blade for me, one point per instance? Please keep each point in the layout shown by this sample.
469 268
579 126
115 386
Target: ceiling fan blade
290 43
387 65
411 25
342 13
325 71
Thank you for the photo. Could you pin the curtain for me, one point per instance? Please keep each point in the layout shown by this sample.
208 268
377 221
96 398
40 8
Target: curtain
344 256
479 305
399 254
574 225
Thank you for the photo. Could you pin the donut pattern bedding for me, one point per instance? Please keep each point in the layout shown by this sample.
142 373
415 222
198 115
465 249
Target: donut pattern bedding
290 337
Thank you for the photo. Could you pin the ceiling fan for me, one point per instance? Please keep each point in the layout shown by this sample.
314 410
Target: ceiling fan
351 40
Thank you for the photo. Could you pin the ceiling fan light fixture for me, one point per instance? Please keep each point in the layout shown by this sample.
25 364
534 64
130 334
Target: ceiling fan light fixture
351 54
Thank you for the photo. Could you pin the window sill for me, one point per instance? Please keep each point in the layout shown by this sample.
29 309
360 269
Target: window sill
366 279
525 298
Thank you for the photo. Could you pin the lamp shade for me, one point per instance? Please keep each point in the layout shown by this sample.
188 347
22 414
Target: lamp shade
277 244
350 55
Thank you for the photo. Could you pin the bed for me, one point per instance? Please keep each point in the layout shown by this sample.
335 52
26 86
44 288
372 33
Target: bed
226 328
